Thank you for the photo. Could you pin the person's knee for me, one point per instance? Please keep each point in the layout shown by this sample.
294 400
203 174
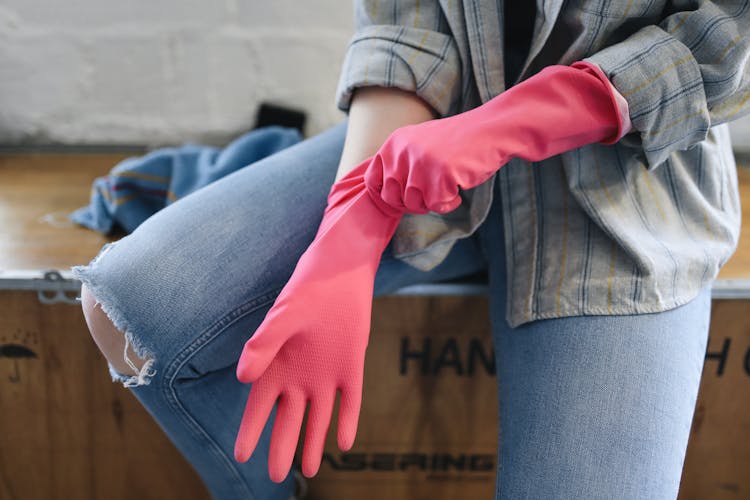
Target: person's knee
109 339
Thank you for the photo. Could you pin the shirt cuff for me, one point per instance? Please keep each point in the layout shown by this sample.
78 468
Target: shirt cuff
412 59
662 83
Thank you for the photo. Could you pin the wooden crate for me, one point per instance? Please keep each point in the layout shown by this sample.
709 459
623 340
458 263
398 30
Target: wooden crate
425 431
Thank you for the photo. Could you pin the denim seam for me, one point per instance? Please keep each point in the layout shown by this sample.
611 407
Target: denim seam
191 350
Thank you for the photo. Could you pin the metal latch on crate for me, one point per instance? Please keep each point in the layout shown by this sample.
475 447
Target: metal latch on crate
52 287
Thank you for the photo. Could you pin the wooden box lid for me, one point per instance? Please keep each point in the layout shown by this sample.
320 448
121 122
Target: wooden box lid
38 191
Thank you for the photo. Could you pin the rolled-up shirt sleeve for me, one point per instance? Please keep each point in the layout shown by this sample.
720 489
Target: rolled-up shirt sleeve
684 75
404 44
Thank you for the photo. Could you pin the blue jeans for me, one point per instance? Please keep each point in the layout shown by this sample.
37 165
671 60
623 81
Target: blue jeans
590 407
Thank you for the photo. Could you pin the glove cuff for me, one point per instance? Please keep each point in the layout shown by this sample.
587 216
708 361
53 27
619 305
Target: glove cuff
618 101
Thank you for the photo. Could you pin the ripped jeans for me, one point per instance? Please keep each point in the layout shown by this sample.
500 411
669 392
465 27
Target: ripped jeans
589 407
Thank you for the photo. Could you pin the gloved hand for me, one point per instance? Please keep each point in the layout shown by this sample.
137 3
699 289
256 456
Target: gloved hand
312 341
420 167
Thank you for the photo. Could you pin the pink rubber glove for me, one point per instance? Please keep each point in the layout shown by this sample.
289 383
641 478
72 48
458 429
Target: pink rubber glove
420 167
312 341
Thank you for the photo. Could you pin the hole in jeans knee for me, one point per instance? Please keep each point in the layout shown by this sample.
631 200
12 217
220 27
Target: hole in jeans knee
134 354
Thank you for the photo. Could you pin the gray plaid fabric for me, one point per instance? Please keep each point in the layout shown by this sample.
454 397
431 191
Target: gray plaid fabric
640 226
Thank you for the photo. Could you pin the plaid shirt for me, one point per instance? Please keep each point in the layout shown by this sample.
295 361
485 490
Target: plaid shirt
636 227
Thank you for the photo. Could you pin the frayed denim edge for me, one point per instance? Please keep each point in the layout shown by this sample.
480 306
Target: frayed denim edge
143 377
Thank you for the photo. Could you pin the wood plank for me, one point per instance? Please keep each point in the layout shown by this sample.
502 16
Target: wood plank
35 188
738 267
37 192
427 430
718 458
67 430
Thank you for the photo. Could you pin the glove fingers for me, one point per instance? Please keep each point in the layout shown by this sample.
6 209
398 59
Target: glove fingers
448 206
373 176
391 193
414 201
350 403
318 421
258 408
289 414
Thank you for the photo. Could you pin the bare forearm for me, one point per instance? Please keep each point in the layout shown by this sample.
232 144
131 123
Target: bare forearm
374 114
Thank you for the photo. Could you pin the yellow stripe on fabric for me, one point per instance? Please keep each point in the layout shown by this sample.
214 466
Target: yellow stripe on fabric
647 178
105 193
627 9
142 176
610 200
365 77
564 250
610 278
417 51
708 226
532 202
737 108
447 88
728 48
656 76
613 206
674 122
366 80
680 23
125 199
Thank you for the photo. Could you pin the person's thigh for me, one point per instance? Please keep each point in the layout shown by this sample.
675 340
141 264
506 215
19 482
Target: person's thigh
230 247
192 283
599 406
593 406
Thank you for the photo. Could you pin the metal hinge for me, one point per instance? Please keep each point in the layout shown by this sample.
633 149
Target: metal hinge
53 287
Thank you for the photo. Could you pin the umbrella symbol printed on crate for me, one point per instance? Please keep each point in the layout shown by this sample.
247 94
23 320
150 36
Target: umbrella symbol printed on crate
14 352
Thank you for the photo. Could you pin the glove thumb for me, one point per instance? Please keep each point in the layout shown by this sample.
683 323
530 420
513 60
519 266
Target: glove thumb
259 351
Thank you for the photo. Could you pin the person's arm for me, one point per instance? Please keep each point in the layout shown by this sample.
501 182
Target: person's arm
682 76
422 167
402 67
312 342
374 114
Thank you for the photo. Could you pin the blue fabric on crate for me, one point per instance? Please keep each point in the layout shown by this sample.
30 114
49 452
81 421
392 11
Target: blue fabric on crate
138 187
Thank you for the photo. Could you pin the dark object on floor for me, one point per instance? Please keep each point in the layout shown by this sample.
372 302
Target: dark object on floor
271 114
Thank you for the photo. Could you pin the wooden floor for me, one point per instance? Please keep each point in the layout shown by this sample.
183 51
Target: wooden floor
37 191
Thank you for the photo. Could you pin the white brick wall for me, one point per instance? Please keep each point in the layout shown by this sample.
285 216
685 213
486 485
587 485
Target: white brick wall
166 71
169 71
